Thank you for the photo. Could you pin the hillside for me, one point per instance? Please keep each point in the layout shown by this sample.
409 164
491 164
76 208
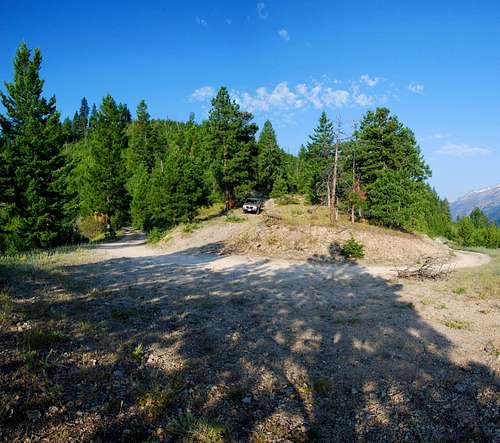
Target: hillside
487 199
302 232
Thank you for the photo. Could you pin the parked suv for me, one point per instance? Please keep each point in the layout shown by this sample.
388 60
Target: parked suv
253 205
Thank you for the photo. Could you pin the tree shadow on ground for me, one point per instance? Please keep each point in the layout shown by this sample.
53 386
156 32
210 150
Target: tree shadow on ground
272 351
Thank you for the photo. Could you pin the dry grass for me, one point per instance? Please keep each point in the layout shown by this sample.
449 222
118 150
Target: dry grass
481 283
305 232
210 211
457 324
5 306
188 428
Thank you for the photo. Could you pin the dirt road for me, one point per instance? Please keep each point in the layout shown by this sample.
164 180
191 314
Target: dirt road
133 244
162 345
283 350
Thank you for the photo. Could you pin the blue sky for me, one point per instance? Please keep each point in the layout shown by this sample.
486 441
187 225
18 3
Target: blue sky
434 64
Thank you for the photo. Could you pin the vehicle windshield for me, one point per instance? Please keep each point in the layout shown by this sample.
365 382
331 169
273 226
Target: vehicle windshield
252 201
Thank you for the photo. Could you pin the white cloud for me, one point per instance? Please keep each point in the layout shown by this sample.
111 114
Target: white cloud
462 150
367 80
417 88
261 10
363 100
200 21
202 94
335 98
283 33
311 93
359 97
281 97
285 98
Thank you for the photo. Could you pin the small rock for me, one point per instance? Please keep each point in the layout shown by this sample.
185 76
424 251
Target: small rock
461 387
354 391
247 400
118 373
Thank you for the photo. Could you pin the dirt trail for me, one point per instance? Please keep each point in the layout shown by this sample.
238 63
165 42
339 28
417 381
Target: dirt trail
195 248
273 348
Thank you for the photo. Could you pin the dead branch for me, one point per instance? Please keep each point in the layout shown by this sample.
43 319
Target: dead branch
431 269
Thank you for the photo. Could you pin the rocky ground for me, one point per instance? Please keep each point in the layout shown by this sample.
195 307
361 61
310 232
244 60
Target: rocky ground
133 343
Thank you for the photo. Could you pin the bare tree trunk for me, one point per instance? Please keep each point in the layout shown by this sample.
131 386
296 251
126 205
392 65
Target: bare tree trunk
334 214
328 192
353 184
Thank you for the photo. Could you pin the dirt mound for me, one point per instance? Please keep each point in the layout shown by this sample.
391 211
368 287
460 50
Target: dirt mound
274 236
208 236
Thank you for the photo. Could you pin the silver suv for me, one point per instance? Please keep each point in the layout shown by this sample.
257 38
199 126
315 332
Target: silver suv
253 205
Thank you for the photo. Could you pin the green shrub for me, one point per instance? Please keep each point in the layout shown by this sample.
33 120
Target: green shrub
91 228
353 249
155 401
188 228
155 235
138 353
287 200
234 219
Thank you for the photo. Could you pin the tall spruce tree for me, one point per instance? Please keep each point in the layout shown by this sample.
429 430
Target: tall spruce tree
93 115
270 159
384 143
232 139
31 207
391 171
83 118
479 218
141 140
175 189
318 153
106 173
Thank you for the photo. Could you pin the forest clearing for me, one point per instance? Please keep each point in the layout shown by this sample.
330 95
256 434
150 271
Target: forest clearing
249 222
180 341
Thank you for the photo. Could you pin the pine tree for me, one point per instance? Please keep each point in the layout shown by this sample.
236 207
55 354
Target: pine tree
175 189
83 118
141 140
68 135
139 189
394 200
391 171
270 159
465 232
280 187
232 140
479 218
318 153
384 143
93 116
31 213
106 175
75 125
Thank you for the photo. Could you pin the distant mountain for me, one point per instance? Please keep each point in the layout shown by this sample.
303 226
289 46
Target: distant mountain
487 199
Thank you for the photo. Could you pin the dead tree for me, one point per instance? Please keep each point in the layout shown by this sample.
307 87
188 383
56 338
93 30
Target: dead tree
333 196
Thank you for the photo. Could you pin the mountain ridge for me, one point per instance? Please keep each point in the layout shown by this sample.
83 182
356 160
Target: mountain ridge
487 199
